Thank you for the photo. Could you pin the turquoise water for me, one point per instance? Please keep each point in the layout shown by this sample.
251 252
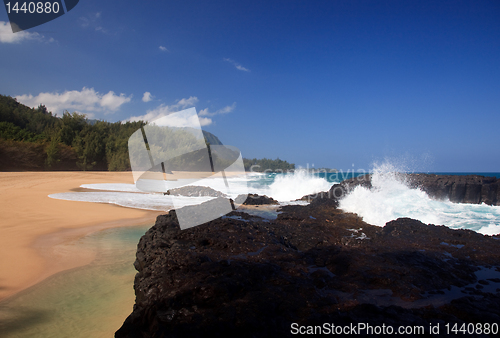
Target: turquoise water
389 199
89 301
268 178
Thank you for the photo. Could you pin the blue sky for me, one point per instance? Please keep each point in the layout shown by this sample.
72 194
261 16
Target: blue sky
329 83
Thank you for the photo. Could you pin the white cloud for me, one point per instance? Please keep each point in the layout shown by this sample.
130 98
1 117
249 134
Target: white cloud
186 119
84 101
205 121
6 35
183 103
92 21
164 110
112 102
225 110
163 49
237 65
147 97
89 19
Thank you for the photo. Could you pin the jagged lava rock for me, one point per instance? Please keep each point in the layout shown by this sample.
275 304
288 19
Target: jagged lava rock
472 189
195 191
311 265
254 199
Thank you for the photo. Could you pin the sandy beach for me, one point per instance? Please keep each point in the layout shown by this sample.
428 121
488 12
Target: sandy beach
36 231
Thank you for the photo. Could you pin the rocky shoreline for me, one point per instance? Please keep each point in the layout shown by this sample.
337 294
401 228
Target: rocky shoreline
243 275
474 189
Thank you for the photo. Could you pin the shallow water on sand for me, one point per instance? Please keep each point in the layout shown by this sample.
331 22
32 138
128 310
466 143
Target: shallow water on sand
89 301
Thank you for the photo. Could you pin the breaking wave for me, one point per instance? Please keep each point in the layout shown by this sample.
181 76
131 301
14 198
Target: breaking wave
390 198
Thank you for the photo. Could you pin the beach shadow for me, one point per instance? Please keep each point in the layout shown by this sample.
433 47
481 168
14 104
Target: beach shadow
15 320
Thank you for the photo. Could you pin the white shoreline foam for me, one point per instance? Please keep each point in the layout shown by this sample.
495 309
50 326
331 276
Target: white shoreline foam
389 199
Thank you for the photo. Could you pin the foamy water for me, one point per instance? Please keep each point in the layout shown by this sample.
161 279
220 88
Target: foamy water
284 188
92 301
391 198
294 186
132 200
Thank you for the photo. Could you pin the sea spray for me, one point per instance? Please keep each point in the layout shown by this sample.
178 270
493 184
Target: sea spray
283 187
292 186
390 198
131 200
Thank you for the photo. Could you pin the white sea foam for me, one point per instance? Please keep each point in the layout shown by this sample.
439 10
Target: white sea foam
391 198
131 200
490 229
292 186
237 185
112 187
284 187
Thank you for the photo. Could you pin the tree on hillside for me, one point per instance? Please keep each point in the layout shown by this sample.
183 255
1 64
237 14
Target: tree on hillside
52 151
57 143
260 165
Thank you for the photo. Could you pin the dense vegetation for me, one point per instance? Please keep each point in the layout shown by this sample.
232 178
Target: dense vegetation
266 164
34 139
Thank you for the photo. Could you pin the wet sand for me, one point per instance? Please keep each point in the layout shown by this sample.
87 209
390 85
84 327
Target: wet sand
35 230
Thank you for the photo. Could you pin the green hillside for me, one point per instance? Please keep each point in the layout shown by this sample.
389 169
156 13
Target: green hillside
34 139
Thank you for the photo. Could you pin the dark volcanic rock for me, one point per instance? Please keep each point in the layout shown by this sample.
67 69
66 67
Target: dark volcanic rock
460 189
195 191
337 191
254 199
312 265
473 189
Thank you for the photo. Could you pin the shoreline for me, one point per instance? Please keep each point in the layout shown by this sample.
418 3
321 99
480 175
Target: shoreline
60 253
37 233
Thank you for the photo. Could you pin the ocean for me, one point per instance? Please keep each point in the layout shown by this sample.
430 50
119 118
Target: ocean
389 199
94 300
